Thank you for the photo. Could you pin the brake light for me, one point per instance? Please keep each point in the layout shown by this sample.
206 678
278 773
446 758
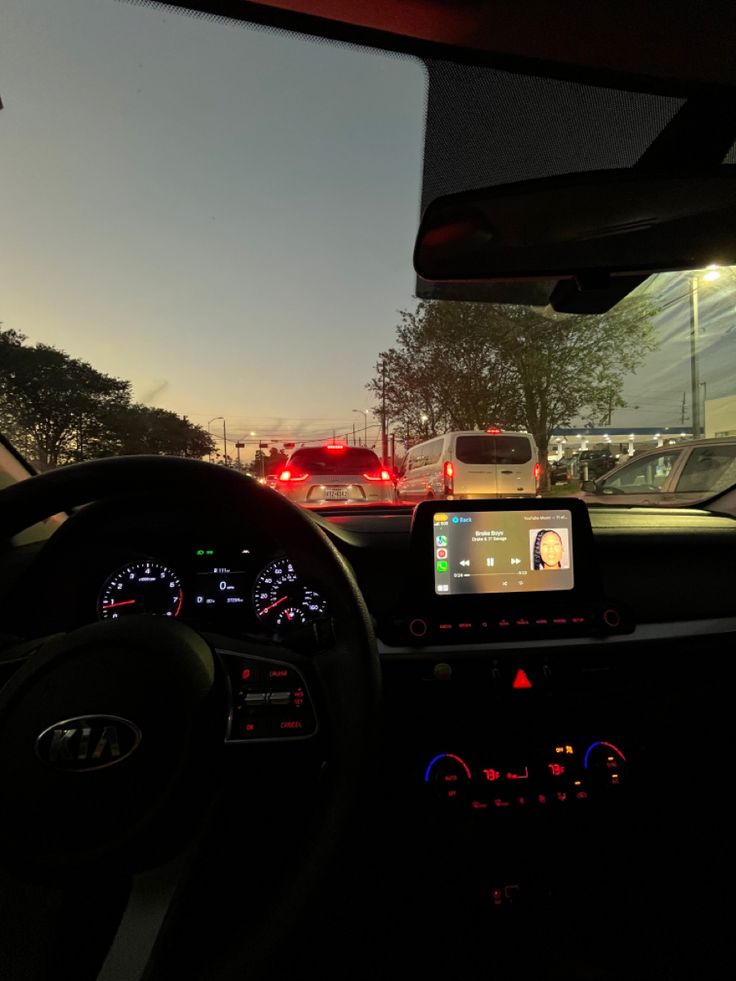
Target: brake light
292 476
493 432
537 471
378 475
449 471
335 446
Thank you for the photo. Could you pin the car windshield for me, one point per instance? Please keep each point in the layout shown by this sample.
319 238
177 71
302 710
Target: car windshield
207 252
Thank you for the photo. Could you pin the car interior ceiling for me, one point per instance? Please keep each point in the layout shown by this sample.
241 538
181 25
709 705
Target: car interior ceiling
544 790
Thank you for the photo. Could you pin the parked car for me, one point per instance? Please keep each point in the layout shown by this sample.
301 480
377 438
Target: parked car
559 471
598 462
335 473
668 476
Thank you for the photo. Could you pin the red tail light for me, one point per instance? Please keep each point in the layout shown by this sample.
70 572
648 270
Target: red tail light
335 446
378 475
449 471
493 432
292 476
537 471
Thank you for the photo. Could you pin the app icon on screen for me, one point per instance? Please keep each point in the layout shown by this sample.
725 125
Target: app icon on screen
441 553
441 540
442 565
440 518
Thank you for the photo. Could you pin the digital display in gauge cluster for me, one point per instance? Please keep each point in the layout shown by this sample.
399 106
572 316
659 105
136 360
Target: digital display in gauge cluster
218 583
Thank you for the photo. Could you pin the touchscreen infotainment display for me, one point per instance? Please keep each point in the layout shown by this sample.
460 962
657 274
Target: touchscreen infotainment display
499 551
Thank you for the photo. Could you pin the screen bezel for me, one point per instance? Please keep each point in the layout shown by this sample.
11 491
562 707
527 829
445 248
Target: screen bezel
587 585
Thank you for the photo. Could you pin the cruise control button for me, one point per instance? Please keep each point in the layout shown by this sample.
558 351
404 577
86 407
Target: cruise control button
282 676
279 697
247 727
255 698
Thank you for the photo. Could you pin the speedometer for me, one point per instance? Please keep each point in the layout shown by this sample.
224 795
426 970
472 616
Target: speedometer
281 599
141 587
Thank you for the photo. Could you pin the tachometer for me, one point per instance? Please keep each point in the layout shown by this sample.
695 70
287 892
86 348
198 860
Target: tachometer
279 598
141 587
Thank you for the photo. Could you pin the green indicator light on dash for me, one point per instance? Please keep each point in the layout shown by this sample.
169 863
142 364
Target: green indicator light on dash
210 551
200 551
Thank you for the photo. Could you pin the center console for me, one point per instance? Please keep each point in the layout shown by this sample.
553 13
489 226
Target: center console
488 571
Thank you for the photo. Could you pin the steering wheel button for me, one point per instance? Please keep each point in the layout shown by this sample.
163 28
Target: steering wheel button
282 675
254 698
280 697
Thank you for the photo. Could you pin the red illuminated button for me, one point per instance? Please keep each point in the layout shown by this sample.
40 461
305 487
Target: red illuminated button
248 727
247 672
418 627
611 617
291 726
283 677
521 680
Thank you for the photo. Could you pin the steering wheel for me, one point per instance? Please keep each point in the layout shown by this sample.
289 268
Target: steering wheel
121 743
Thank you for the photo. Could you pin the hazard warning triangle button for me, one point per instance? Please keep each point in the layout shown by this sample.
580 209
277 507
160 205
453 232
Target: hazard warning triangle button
521 680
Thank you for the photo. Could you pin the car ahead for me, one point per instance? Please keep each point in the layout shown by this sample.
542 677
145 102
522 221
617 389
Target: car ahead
471 464
336 474
668 476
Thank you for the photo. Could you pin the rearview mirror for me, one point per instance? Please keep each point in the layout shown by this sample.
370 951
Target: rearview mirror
588 227
589 486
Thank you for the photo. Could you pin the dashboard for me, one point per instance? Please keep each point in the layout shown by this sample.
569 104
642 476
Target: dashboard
529 725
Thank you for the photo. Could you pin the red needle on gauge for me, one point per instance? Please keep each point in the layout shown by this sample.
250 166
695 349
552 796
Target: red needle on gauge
109 606
274 604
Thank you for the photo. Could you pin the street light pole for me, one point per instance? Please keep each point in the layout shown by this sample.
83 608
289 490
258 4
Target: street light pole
710 274
694 366
364 412
213 419
224 440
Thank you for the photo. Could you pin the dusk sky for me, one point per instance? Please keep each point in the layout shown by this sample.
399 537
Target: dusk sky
225 216
222 215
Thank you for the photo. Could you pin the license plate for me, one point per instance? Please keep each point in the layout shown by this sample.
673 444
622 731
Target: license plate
336 494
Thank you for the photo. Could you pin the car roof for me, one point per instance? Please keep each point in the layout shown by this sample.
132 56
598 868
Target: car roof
687 443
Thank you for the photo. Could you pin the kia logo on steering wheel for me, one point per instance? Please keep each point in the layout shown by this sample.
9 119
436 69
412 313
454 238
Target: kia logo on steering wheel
87 742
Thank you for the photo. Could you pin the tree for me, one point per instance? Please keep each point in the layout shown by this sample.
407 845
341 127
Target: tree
57 409
471 365
143 429
263 464
54 406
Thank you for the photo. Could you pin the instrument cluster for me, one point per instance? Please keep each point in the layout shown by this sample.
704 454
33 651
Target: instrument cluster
212 585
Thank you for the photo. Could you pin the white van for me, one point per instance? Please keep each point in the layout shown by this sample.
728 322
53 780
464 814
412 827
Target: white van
490 463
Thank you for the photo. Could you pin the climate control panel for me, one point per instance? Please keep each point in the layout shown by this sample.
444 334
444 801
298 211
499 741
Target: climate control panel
560 774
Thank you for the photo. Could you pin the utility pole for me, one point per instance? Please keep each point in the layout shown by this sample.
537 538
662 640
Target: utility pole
682 409
224 440
384 434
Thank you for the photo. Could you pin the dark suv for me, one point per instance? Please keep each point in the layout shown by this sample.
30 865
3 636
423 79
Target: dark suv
598 463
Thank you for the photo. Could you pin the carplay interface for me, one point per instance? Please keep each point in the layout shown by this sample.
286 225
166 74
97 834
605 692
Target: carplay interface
502 551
